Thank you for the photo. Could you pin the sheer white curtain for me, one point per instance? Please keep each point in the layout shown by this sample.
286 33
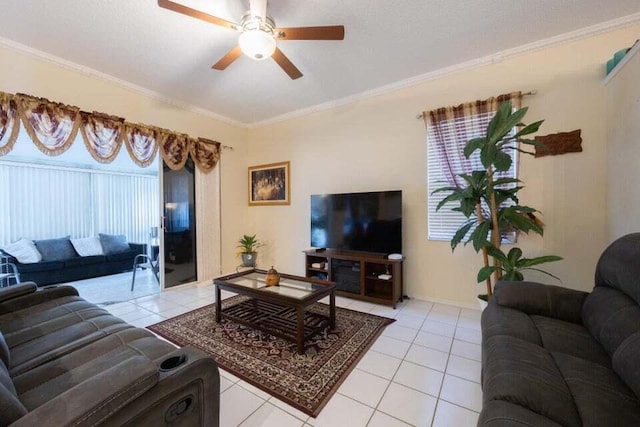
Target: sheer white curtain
40 202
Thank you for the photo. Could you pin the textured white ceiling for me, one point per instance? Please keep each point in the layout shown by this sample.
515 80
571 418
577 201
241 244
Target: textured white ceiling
385 42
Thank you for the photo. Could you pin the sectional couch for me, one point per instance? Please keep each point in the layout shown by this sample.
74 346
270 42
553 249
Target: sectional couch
554 357
67 362
77 267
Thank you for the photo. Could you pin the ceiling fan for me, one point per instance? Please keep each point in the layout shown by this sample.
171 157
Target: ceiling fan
259 34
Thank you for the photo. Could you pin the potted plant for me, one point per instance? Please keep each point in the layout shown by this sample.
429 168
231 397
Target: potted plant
490 204
247 246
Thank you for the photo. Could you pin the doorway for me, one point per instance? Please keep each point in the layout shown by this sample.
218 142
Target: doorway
179 231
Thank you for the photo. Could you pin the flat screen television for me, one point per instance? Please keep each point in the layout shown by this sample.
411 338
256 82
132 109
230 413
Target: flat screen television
370 222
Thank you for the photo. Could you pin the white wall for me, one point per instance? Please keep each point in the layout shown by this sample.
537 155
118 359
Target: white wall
27 74
623 155
377 144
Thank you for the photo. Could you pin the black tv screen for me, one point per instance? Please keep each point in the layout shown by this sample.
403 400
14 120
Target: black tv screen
370 222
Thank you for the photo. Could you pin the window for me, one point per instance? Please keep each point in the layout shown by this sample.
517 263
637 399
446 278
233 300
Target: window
445 160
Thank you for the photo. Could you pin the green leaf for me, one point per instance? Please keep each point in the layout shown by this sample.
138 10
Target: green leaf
485 272
473 145
505 181
530 262
441 189
507 123
479 235
545 272
462 231
503 161
450 198
488 155
530 128
496 253
514 255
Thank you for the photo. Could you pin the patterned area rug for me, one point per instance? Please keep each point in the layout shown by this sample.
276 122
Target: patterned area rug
305 382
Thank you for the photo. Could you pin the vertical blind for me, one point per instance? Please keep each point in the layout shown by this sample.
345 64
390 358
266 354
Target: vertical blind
41 202
442 225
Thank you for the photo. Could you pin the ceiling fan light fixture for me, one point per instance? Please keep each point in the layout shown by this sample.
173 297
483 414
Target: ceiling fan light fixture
257 44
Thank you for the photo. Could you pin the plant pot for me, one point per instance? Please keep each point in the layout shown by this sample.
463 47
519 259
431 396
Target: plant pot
249 260
482 302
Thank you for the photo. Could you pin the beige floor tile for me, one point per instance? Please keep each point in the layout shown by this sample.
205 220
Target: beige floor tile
379 364
449 415
428 357
237 404
364 387
409 320
408 405
271 416
391 347
380 419
467 394
342 411
289 409
401 333
466 349
464 368
436 342
438 328
419 378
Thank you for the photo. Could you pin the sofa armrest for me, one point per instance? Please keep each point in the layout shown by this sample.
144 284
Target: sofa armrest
15 291
545 300
96 399
140 248
32 298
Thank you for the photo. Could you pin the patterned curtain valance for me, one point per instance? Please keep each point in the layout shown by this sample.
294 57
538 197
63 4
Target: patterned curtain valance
205 153
52 126
472 108
141 142
102 135
9 126
175 148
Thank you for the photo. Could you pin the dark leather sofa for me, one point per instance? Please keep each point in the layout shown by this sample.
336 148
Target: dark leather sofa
78 268
67 362
553 356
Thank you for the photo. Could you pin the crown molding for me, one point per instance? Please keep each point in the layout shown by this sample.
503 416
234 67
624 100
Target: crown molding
90 72
582 33
579 34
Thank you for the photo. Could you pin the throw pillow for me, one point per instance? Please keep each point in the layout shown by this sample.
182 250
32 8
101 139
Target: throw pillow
113 244
87 246
59 249
24 251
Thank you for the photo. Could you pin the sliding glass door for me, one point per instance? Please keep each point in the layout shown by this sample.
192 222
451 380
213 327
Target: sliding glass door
179 205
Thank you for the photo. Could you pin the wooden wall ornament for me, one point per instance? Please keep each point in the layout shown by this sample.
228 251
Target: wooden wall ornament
560 143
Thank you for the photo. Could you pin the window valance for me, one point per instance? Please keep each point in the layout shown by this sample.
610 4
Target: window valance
53 128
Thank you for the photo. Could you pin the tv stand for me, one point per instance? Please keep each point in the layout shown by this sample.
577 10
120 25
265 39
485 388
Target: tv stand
356 274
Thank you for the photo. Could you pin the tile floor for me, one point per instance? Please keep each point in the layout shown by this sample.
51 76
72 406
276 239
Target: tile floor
423 371
117 287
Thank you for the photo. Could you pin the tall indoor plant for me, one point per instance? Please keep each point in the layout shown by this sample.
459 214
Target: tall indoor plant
247 246
491 203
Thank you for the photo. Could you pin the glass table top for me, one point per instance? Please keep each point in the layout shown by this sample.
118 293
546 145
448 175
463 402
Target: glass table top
291 288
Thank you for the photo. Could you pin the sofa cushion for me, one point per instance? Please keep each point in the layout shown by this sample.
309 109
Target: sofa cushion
498 413
10 407
611 317
499 320
113 244
85 260
600 395
87 246
619 268
525 374
570 338
625 362
43 383
41 266
24 251
59 249
34 315
122 256
5 356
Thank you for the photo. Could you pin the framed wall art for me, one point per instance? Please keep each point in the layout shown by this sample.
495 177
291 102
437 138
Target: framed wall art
269 184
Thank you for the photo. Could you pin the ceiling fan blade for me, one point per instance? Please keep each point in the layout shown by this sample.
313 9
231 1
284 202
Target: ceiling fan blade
286 64
258 8
335 32
175 7
226 60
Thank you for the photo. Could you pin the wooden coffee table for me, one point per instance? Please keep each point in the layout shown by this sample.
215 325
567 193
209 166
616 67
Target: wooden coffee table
278 310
